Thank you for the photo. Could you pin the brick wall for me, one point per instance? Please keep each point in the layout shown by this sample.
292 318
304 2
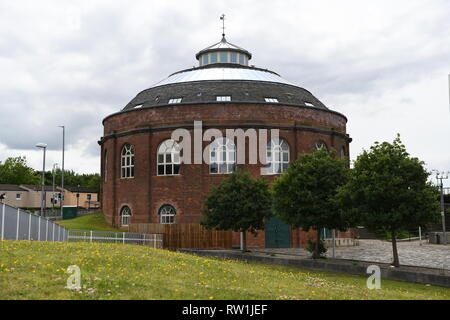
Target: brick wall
146 192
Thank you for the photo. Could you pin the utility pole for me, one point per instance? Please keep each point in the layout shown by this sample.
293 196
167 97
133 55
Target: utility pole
439 177
62 169
42 146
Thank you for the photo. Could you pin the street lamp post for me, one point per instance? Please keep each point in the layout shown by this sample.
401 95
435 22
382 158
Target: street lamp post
53 188
78 195
44 147
62 168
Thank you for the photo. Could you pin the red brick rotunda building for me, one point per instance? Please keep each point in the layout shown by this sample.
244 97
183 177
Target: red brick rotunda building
143 179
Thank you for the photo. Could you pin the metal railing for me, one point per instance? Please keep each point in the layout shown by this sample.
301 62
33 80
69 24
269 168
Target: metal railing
16 224
154 240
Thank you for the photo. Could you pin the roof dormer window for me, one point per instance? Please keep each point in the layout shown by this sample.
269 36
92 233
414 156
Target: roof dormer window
223 98
175 100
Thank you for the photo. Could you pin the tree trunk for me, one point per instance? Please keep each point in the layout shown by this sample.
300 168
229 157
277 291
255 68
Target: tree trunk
244 241
316 254
396 262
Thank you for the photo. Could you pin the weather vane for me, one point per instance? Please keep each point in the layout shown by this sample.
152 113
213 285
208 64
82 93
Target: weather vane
222 17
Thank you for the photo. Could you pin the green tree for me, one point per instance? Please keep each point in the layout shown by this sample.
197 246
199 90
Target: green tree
239 203
71 178
388 191
304 196
93 181
16 171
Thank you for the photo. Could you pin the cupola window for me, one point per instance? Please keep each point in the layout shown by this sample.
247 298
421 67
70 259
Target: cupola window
224 57
223 52
213 57
242 59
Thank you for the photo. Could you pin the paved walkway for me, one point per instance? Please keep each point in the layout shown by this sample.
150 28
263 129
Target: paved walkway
410 253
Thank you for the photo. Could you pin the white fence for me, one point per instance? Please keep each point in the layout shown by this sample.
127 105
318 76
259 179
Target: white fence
154 240
16 224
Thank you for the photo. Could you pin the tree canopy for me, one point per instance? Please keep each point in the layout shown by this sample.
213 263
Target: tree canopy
388 191
238 203
16 171
304 195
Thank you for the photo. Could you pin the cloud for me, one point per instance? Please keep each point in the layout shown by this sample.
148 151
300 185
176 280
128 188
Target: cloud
383 64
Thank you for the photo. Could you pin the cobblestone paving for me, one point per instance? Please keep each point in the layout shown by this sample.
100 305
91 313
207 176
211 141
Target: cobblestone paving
410 253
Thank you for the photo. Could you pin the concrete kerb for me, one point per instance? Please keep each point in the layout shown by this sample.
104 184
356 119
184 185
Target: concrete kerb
436 277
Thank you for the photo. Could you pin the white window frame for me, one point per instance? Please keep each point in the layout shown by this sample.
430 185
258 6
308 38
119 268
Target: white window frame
125 218
223 98
18 196
274 100
222 147
276 151
167 214
171 148
127 162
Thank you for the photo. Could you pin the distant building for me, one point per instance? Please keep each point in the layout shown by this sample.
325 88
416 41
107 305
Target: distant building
14 195
29 196
81 197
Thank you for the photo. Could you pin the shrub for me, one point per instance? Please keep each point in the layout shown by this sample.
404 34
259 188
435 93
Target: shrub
311 247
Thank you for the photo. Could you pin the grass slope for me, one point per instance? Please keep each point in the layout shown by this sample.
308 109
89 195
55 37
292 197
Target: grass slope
94 221
37 270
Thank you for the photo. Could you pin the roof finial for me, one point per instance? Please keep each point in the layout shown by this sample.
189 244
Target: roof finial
222 17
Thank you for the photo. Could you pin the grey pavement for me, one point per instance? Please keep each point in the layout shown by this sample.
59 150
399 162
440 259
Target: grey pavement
410 253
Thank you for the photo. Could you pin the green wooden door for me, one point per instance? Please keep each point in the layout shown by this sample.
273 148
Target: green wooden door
278 234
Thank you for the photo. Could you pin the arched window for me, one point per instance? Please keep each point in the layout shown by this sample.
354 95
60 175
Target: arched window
168 158
277 156
167 214
125 214
127 161
222 156
320 145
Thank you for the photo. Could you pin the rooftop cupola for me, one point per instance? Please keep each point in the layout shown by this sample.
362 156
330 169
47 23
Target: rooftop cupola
223 52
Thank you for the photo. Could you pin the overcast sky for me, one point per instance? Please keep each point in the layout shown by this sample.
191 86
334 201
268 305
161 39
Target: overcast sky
384 64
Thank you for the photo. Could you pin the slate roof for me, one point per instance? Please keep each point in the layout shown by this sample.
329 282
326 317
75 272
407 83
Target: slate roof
241 91
245 84
10 187
80 189
36 187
